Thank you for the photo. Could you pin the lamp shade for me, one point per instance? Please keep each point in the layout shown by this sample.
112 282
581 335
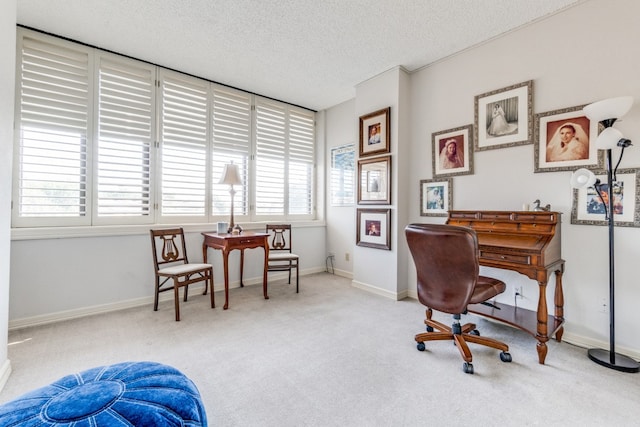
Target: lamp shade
582 178
608 139
612 108
230 175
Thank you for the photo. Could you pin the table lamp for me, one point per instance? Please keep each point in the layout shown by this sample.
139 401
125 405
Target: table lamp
231 177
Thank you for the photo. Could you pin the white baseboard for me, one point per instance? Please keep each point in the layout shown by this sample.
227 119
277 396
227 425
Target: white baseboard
375 290
5 373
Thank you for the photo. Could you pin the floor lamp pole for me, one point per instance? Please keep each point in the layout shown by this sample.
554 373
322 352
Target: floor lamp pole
610 358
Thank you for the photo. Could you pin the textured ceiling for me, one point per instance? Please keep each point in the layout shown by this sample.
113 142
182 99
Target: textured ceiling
307 52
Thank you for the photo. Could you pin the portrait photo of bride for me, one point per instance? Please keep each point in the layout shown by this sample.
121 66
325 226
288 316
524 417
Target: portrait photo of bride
498 125
504 117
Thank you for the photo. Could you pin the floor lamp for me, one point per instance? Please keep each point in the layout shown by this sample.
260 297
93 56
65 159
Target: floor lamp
606 112
231 177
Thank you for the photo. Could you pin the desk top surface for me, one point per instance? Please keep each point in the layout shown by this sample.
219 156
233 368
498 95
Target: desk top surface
235 236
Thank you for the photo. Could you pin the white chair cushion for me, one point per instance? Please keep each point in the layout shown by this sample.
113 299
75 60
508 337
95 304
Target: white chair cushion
183 269
282 256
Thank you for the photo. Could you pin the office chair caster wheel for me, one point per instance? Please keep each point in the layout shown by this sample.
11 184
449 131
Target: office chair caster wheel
421 346
505 357
429 329
475 332
467 368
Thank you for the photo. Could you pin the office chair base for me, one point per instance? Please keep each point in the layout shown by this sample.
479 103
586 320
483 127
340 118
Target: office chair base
437 331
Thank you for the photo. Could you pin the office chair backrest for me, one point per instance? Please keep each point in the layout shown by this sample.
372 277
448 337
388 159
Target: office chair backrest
446 259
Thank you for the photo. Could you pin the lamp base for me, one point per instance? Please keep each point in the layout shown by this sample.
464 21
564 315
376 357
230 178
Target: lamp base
236 229
621 363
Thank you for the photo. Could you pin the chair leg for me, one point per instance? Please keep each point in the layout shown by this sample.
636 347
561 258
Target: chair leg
462 347
206 285
176 298
210 280
489 342
155 300
186 292
297 277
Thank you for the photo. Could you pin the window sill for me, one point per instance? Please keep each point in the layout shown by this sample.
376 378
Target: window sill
43 233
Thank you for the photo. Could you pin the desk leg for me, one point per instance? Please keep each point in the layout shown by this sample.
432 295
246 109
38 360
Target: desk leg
559 303
225 263
241 267
542 329
265 269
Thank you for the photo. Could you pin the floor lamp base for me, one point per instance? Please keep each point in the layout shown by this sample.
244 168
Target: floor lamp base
621 363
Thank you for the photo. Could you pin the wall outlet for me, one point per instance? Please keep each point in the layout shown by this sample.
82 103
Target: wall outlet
518 292
347 256
603 307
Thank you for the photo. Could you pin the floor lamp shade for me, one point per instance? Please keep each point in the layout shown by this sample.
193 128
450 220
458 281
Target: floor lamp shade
607 109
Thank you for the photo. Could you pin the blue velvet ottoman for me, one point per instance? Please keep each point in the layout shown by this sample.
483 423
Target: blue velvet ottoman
125 394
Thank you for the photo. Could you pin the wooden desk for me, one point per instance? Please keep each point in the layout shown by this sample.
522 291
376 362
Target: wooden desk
228 242
529 243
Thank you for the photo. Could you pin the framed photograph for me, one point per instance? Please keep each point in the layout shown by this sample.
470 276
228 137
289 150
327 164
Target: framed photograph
374 182
374 133
436 197
504 117
373 228
565 140
453 151
343 175
589 209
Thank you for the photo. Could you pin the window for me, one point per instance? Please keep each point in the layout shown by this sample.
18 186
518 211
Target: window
284 161
125 136
52 185
183 147
108 140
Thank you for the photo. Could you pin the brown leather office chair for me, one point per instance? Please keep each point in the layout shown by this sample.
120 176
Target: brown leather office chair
280 256
446 259
170 262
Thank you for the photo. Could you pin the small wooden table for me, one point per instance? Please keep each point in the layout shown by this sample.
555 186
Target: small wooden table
228 242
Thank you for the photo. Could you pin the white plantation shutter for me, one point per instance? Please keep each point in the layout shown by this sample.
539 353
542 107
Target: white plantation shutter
301 160
51 183
231 135
125 134
183 146
284 160
102 139
270 158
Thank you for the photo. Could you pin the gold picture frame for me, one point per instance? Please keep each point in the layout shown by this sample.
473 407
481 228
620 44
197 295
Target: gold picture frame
374 181
375 133
504 117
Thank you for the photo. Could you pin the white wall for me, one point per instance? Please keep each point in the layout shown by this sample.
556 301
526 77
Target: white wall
584 54
341 234
7 79
54 279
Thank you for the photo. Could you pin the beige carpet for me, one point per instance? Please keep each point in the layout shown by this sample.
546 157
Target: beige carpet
332 355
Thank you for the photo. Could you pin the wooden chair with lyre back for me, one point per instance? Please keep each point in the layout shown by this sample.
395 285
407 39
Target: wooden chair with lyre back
172 266
281 258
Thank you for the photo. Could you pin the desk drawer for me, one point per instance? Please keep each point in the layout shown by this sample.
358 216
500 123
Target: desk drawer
246 242
511 258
